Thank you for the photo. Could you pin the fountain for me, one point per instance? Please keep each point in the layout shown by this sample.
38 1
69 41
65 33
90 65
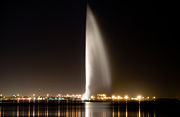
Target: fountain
97 69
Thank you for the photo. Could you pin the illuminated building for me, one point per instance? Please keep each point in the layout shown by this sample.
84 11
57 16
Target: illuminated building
101 96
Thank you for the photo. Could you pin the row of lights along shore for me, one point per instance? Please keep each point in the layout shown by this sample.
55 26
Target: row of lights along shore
98 97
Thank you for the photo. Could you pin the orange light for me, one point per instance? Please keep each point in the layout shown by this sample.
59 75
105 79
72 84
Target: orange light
113 97
126 97
139 97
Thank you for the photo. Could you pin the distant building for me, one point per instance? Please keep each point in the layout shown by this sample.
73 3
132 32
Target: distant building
101 96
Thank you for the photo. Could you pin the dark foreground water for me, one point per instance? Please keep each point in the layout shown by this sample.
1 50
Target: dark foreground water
93 109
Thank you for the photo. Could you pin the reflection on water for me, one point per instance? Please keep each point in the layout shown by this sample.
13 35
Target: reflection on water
95 109
0 111
126 110
139 109
17 111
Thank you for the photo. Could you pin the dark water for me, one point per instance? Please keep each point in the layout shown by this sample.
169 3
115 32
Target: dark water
85 110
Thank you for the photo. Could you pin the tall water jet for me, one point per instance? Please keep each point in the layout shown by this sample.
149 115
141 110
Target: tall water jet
97 69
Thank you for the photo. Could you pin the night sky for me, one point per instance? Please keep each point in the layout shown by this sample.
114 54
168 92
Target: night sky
42 46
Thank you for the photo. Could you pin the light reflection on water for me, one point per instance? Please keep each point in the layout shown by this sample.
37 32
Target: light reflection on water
87 110
0 111
98 110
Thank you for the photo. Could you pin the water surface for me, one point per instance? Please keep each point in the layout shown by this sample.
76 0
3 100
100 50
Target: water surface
85 110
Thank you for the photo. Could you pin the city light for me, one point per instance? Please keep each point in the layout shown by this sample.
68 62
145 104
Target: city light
113 97
119 97
98 97
139 97
47 94
92 97
126 97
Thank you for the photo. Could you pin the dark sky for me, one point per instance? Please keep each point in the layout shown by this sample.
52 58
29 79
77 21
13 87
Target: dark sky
42 46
